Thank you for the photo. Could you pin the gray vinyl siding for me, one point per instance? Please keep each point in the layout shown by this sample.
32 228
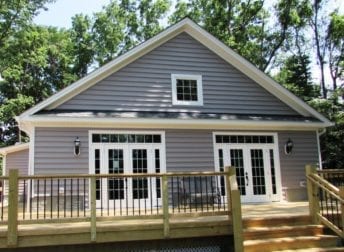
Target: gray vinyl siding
145 84
18 160
189 150
186 150
305 151
54 151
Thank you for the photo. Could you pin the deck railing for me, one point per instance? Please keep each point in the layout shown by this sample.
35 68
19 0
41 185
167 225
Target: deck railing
97 197
326 197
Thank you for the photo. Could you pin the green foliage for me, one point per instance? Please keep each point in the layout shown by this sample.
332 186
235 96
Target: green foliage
123 24
16 15
8 110
295 76
335 47
332 144
40 67
82 48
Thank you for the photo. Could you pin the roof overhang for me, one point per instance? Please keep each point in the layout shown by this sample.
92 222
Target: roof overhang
198 33
156 123
14 148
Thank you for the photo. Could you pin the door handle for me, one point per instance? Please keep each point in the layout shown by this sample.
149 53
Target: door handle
246 176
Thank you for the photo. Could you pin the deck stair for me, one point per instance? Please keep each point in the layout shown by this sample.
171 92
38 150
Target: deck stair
287 233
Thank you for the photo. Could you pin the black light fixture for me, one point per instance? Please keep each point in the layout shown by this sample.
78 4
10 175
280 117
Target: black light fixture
288 146
77 144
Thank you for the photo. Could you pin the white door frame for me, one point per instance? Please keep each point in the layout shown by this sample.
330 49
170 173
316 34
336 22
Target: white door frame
127 159
246 155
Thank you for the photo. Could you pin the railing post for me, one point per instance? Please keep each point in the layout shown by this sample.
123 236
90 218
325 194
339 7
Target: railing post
93 210
12 226
165 206
234 202
313 195
341 194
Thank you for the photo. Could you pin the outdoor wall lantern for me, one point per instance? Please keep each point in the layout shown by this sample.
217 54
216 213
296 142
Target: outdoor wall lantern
77 146
288 147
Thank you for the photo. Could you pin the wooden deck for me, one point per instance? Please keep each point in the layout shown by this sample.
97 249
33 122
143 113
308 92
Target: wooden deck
48 234
277 209
144 227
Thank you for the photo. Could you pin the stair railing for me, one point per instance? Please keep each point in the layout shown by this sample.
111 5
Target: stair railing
326 200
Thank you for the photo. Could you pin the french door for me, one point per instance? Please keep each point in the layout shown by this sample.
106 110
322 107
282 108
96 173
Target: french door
127 159
256 169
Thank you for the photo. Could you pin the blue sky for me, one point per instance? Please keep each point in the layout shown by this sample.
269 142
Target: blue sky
60 13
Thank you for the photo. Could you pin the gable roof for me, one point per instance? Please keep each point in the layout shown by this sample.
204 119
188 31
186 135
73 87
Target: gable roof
205 38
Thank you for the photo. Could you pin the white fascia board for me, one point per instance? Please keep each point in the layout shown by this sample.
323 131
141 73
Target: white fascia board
37 121
14 148
106 70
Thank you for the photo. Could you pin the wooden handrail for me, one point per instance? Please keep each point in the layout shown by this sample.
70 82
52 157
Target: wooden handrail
331 189
127 175
316 184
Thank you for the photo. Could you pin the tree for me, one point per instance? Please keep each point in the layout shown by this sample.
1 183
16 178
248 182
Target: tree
38 64
82 51
318 25
9 133
332 144
335 47
123 24
295 75
41 66
16 15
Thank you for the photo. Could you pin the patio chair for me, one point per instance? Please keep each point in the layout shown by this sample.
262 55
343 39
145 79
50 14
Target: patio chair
198 191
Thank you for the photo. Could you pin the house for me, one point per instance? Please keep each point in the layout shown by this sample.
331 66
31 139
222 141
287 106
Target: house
181 101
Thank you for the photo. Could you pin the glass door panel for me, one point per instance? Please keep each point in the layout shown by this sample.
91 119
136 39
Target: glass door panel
258 172
115 166
237 160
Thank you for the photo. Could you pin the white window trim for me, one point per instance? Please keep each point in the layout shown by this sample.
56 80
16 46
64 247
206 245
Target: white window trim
198 79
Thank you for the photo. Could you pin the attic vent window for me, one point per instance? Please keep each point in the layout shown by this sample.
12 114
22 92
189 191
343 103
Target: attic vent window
187 90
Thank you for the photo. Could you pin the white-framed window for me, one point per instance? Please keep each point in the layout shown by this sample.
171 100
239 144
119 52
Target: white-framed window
187 89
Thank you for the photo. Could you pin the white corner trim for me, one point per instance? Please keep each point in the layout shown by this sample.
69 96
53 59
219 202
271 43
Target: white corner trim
32 153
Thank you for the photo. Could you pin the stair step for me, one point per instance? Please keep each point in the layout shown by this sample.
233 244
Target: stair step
282 231
276 221
284 243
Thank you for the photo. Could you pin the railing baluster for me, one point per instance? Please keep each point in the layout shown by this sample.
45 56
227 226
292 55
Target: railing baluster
37 202
24 198
71 197
44 197
78 197
51 198
84 196
58 198
64 198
